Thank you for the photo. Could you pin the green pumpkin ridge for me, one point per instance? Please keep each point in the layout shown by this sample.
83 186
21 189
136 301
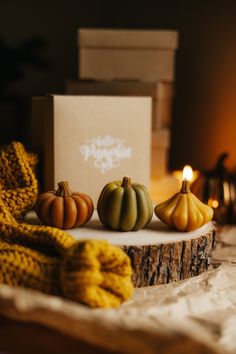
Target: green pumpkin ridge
114 206
143 210
129 210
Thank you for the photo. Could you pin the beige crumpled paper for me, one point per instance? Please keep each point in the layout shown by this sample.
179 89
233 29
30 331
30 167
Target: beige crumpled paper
194 316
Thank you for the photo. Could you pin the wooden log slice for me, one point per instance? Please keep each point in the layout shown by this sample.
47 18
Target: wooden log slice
158 255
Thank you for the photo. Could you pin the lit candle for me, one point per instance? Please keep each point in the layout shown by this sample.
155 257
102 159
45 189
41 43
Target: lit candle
188 173
184 211
187 177
187 170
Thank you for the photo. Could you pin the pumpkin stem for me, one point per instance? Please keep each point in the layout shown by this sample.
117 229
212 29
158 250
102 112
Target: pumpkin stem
185 186
63 189
126 182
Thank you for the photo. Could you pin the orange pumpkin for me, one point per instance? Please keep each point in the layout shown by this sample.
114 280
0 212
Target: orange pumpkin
64 209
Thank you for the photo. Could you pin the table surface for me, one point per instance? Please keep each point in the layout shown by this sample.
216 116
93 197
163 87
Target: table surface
22 337
28 338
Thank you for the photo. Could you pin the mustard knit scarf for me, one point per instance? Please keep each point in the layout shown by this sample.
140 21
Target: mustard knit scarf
91 272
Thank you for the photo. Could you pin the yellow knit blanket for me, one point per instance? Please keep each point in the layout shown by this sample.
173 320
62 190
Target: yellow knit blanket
91 272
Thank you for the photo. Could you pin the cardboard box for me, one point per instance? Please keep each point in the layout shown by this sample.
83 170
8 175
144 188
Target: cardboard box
160 153
106 54
163 105
91 140
162 93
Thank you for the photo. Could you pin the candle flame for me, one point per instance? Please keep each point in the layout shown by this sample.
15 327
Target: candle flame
187 173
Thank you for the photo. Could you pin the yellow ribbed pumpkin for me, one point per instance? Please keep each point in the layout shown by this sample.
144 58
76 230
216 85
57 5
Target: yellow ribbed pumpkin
184 211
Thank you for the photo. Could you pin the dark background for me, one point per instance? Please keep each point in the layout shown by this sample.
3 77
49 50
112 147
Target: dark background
38 53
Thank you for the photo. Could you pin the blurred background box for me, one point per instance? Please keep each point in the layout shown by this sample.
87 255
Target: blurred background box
160 153
162 93
92 140
108 54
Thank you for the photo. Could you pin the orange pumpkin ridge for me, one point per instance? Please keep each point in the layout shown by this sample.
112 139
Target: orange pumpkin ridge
89 203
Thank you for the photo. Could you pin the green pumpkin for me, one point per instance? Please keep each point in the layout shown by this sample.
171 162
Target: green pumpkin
124 206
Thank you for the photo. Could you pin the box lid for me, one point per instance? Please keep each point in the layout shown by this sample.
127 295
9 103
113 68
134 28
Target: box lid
157 90
114 38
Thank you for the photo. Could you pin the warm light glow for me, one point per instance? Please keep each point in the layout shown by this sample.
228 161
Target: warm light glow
187 173
213 203
178 175
227 193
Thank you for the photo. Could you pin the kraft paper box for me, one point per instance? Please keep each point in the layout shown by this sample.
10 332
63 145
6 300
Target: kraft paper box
162 93
106 54
160 153
89 141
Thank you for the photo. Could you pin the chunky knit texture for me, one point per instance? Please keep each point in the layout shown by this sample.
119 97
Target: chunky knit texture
17 180
21 266
92 272
96 273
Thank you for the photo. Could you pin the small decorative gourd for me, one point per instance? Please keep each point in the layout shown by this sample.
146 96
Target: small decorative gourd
184 211
124 206
64 209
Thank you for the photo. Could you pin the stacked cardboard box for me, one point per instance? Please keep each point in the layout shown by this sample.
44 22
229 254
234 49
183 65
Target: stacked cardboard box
161 93
132 63
126 54
107 137
83 145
